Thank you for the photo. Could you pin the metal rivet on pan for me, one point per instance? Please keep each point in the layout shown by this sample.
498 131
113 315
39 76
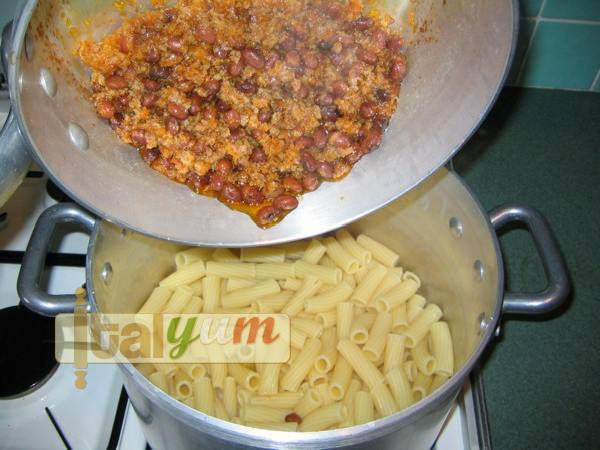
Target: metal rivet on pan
482 322
498 331
78 137
106 273
456 227
48 82
479 270
28 47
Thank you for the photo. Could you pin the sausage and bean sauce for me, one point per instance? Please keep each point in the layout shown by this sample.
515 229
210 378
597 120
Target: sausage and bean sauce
253 102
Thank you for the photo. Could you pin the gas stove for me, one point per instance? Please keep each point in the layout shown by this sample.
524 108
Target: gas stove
40 408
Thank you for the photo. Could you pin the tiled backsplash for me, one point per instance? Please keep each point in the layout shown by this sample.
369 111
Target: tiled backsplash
559 45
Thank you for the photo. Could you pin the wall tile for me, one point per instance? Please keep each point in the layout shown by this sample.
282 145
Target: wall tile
563 56
525 29
572 9
530 8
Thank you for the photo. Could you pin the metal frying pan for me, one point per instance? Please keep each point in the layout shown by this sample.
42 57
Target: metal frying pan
452 83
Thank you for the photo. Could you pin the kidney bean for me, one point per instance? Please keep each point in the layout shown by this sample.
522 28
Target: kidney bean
308 161
172 125
210 113
139 138
302 92
286 202
197 182
367 56
355 69
258 155
177 111
310 182
185 86
355 156
220 52
397 70
158 72
232 118
236 68
292 59
236 134
363 23
175 45
117 120
122 102
304 142
152 56
246 87
149 155
116 82
199 148
367 110
379 38
311 60
231 192
325 169
333 10
222 106
324 99
329 113
105 108
212 87
216 182
196 105
382 95
267 215
347 40
206 34
265 115
252 195
372 139
224 166
339 88
292 184
395 43
287 45
321 137
340 139
151 85
253 58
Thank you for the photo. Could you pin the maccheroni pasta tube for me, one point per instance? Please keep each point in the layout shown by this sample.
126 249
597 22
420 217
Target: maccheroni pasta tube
364 342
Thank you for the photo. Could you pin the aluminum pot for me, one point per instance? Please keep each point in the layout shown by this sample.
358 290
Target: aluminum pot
440 232
455 75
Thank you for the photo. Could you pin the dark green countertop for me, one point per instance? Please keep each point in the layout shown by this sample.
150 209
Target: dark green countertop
542 376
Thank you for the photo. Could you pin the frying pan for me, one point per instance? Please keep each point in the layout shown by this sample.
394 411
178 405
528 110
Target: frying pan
457 64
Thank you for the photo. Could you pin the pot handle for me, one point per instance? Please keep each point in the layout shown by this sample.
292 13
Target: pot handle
14 154
28 283
559 285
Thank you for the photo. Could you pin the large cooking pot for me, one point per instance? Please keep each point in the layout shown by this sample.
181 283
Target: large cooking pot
455 74
439 230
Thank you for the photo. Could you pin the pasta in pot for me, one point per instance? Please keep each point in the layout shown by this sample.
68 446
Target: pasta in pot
350 363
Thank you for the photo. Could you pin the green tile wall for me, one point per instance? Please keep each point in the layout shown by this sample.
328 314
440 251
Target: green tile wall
559 45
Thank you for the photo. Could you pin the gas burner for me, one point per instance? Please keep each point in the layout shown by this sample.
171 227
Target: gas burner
27 357
56 193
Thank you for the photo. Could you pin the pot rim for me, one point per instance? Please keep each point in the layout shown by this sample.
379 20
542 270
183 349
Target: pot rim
333 438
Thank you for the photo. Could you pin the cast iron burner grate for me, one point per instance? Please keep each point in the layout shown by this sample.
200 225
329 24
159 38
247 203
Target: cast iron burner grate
27 357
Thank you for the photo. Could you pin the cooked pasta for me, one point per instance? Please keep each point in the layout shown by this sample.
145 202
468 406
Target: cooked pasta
364 342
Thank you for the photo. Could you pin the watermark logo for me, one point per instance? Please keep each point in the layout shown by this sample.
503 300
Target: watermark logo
83 338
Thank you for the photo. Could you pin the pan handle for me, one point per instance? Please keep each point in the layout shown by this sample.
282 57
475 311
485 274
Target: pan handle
559 285
28 283
14 154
